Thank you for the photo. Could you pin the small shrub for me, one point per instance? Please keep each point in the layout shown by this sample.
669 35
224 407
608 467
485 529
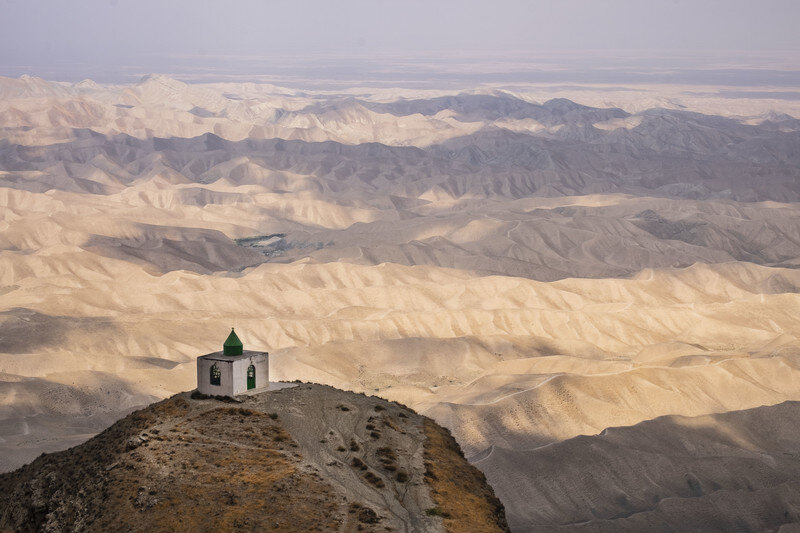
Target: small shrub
389 423
436 511
367 516
429 472
385 451
375 480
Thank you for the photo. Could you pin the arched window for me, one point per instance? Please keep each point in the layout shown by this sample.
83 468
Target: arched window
215 374
251 377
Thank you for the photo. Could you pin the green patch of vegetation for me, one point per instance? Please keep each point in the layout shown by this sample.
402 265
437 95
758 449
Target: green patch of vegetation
436 511
257 238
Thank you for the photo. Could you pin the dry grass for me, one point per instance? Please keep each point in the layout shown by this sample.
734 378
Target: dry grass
374 479
235 477
388 458
463 498
224 469
205 465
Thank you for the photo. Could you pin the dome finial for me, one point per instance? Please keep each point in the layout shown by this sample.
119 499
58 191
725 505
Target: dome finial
232 345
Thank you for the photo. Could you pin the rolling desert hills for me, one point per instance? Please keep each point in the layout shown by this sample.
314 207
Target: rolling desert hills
528 266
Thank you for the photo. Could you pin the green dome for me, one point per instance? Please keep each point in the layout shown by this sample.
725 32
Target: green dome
232 345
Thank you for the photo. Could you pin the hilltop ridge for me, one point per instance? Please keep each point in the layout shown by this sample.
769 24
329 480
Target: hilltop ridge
305 458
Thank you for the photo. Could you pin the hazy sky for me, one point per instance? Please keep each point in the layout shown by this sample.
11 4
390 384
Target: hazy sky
74 34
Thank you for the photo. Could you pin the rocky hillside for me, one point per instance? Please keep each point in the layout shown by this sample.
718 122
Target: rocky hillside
305 458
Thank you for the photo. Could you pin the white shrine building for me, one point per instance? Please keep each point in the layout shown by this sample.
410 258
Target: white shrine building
233 371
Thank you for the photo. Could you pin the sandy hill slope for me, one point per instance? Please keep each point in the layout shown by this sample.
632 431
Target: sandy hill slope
733 471
306 458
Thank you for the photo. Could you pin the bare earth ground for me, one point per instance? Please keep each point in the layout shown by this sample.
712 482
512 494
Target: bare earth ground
306 458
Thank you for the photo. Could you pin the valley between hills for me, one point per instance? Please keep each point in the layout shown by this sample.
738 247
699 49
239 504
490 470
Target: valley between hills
563 278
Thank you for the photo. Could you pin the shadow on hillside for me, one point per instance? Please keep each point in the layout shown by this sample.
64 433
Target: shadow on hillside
24 330
723 472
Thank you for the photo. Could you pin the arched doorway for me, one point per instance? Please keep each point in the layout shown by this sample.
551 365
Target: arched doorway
251 377
215 374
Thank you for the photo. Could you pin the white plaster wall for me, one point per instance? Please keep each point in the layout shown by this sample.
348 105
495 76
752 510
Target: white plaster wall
226 382
261 362
233 375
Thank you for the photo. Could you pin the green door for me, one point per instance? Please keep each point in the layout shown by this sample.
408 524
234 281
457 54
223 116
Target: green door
251 377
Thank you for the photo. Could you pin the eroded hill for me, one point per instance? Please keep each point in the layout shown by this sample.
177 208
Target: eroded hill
306 458
733 471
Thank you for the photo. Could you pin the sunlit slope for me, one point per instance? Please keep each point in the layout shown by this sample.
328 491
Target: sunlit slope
189 226
121 284
548 239
531 362
34 111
